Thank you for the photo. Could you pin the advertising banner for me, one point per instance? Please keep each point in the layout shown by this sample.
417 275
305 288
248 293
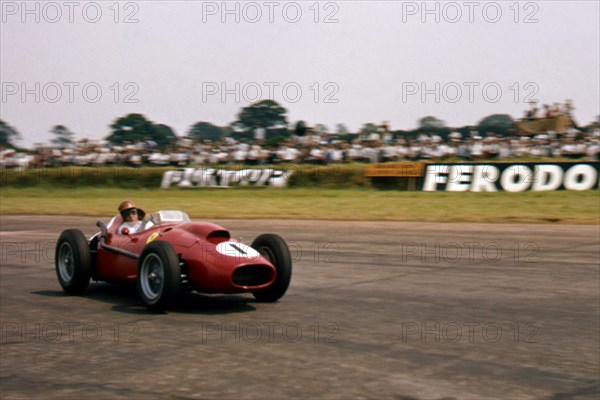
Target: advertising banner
469 177
211 177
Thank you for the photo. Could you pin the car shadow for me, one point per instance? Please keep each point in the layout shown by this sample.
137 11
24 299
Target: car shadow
197 303
124 298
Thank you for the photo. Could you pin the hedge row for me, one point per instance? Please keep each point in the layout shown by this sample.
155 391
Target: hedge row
335 175
71 176
338 175
304 175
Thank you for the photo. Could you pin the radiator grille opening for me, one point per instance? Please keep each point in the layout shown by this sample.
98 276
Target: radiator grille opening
252 275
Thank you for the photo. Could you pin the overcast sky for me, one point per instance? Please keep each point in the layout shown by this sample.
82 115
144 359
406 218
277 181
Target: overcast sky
84 64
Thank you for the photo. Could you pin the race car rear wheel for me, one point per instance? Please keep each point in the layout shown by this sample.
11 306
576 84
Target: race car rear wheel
274 248
159 276
73 261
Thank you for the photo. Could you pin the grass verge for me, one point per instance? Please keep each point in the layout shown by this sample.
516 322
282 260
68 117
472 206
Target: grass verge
318 204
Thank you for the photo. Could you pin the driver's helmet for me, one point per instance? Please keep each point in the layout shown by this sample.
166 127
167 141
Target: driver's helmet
126 207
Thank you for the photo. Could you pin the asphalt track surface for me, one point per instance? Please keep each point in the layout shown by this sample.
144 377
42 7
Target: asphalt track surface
375 310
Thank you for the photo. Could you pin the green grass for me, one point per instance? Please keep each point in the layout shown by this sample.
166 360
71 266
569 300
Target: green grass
314 203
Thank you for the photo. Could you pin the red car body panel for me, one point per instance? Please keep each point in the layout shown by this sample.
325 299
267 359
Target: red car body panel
209 256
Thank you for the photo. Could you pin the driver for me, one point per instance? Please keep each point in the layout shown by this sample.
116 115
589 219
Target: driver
131 217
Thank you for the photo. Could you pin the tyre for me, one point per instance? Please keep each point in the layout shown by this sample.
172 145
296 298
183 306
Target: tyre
159 276
73 261
273 248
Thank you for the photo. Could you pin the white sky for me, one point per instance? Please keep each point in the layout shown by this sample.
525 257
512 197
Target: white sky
371 57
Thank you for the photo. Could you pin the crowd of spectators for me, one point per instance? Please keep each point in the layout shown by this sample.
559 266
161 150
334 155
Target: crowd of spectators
550 111
373 148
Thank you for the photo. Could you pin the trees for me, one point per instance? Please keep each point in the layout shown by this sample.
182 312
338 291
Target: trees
8 134
430 122
134 128
497 123
62 136
341 129
433 126
267 114
131 128
205 131
300 129
369 128
321 129
502 120
165 134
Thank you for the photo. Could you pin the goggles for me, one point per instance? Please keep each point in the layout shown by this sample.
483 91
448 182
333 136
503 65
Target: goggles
128 212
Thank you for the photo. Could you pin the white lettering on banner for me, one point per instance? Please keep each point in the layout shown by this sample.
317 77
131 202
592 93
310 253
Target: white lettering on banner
211 177
547 178
458 180
588 177
484 178
514 178
434 175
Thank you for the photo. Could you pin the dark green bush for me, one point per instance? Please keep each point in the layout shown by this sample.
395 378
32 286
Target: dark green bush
333 175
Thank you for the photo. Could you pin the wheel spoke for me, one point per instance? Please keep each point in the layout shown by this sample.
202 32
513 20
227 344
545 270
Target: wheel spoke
66 262
152 277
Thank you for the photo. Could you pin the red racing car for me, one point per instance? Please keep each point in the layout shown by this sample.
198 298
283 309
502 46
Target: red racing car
171 254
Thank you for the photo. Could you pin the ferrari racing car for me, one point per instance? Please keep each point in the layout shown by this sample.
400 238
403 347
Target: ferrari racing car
170 254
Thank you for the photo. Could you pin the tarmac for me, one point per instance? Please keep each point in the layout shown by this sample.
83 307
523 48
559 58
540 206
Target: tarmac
378 310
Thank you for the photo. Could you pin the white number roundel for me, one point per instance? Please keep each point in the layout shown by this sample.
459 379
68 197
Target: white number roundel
236 249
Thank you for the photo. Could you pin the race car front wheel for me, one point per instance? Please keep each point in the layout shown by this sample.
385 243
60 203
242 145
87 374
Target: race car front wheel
159 276
275 249
73 261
